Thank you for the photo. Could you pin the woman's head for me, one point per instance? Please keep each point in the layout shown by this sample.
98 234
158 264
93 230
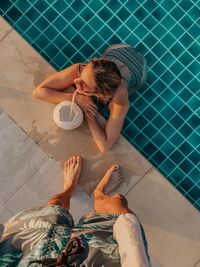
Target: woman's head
100 77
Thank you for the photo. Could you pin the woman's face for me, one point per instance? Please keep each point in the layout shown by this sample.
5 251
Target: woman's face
86 83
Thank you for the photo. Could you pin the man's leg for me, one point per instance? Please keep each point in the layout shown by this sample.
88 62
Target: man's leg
72 171
104 203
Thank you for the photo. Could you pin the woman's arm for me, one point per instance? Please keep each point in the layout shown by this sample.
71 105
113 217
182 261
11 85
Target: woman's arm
105 138
50 89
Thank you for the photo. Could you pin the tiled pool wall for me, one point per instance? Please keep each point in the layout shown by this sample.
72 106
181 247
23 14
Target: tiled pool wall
163 122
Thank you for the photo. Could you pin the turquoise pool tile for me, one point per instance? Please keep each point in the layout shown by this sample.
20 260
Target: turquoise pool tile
194 157
186 76
159 49
159 13
5 5
177 68
150 22
194 69
23 23
150 131
141 104
50 14
194 13
158 121
58 6
186 22
167 166
168 147
51 50
69 50
158 139
158 68
132 131
96 23
59 23
140 140
116 5
150 95
168 94
186 148
176 139
141 31
141 13
168 22
150 40
86 14
123 31
193 103
14 13
69 14
32 14
194 86
87 50
159 103
126 123
60 41
194 175
177 49
185 94
132 23
186 40
114 39
185 112
168 59
33 32
176 103
149 113
177 13
194 139
76 5
158 157
177 31
96 41
51 32
60 59
177 157
41 6
167 112
194 192
123 14
193 31
185 130
140 122
105 14
132 113
97 5
69 32
194 49
194 121
78 57
150 148
78 41
41 23
186 165
159 31
177 174
168 40
42 41
187 185
77 23
114 23
168 5
176 121
150 5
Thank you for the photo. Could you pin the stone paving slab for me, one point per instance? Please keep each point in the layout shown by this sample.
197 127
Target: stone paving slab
5 28
21 70
5 215
20 157
171 223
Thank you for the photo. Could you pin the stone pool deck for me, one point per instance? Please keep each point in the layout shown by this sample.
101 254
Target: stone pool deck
33 149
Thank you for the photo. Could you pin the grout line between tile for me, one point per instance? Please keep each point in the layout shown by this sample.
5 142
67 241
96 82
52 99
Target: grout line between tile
198 262
6 35
140 179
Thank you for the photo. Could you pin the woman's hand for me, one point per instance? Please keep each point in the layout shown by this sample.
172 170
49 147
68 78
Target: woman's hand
87 105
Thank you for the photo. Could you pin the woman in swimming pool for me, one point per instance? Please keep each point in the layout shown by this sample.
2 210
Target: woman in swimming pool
105 81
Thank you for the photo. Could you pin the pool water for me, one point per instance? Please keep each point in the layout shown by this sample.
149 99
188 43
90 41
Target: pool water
163 121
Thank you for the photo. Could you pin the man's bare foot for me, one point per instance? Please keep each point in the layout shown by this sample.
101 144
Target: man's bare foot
111 179
72 170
